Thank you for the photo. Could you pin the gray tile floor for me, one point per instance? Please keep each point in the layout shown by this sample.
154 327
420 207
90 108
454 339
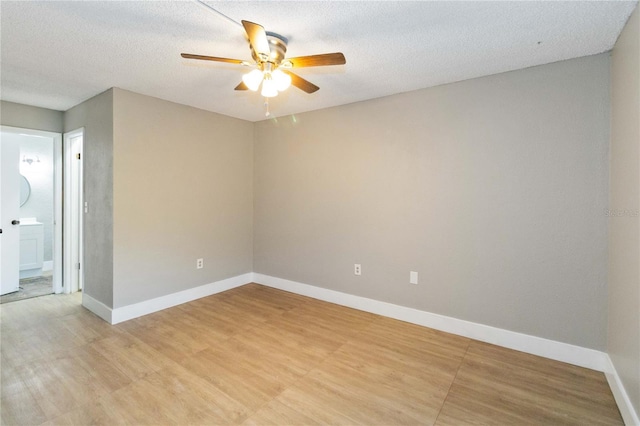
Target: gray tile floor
30 287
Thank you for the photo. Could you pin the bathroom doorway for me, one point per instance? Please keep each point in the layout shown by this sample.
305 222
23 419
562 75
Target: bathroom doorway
31 213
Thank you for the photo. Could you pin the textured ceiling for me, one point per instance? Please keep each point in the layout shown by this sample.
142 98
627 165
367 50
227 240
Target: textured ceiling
56 54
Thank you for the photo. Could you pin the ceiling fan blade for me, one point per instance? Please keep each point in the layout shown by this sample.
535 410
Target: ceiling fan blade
211 58
301 83
318 60
257 39
241 86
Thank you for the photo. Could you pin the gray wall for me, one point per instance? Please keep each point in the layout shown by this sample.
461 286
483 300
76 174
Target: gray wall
623 343
40 177
96 116
166 184
493 189
182 190
30 117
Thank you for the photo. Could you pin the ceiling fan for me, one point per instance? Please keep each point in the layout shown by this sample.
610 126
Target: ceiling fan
272 69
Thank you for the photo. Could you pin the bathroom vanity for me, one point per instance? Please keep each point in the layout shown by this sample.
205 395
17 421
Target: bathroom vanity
31 247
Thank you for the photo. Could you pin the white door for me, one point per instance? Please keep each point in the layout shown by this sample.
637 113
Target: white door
73 211
9 213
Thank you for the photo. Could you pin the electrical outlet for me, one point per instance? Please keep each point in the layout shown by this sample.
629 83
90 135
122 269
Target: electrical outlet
357 269
413 277
199 263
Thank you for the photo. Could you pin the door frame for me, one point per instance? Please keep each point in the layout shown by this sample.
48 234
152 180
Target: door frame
69 266
57 196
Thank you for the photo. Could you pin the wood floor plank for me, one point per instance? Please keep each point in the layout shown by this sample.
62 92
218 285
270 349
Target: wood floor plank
237 381
169 340
138 403
496 385
256 355
404 400
187 399
419 363
214 317
212 405
90 414
276 413
20 407
34 343
89 327
406 334
130 355
347 396
37 311
429 386
265 360
320 403
67 382
17 404
319 329
306 347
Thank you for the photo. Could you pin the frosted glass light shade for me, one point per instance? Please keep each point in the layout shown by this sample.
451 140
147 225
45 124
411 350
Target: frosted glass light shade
283 80
253 79
269 89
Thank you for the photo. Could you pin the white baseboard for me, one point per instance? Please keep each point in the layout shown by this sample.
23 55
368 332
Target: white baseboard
30 273
552 349
159 303
97 307
627 411
47 265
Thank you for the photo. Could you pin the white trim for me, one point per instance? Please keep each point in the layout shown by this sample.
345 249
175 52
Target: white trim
159 303
29 132
552 349
57 215
47 265
69 266
627 411
97 307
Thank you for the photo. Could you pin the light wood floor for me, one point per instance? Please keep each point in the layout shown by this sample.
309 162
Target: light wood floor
255 355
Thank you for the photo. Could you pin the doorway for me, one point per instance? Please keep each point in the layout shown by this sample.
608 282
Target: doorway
30 213
74 208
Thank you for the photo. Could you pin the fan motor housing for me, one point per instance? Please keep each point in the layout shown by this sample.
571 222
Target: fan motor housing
278 47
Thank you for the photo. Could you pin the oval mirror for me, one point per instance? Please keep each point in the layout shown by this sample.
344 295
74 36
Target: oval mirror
25 190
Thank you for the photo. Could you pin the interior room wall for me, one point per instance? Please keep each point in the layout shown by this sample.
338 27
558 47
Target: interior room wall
623 343
494 190
96 116
30 117
183 190
40 177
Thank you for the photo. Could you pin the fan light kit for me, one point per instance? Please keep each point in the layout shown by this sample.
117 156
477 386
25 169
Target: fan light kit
272 81
271 69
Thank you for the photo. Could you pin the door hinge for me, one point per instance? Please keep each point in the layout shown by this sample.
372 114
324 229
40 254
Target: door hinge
78 156
78 266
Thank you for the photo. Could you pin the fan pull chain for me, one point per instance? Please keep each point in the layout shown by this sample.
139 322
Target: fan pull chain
266 107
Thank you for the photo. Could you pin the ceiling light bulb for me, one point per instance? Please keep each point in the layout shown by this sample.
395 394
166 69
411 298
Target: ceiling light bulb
283 80
269 89
253 79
